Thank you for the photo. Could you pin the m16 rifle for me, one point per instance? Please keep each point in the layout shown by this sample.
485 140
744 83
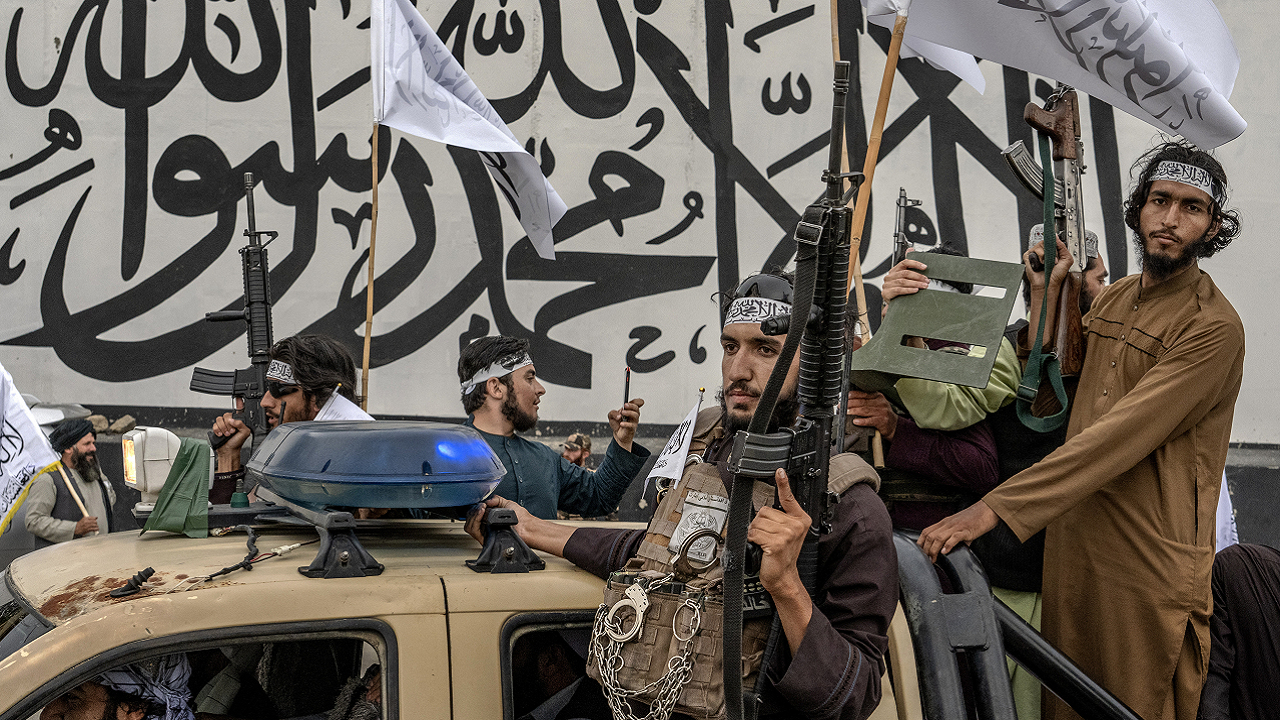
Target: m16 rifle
251 382
817 327
1059 120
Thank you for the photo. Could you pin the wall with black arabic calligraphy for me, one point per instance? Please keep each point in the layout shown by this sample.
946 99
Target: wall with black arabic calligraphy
685 139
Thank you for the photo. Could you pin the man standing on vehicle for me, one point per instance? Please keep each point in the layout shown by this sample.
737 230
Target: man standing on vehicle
500 394
310 377
1129 500
53 513
836 643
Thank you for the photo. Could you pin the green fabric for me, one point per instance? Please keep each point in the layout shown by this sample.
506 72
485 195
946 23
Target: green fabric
944 406
183 505
1026 689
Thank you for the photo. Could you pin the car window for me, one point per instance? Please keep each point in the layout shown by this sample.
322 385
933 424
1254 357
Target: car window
18 624
328 675
544 657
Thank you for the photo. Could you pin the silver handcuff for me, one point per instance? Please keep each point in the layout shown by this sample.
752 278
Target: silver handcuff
638 600
686 567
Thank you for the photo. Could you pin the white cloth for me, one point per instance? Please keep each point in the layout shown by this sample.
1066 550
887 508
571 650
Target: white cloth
25 452
340 408
1171 63
419 88
1226 535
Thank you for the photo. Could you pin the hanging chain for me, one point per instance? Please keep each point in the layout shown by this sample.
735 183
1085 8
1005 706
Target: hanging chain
667 688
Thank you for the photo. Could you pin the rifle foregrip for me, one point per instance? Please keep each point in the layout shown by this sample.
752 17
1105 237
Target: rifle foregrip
1069 335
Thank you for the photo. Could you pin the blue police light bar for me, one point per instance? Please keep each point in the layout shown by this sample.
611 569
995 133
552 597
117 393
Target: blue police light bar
387 464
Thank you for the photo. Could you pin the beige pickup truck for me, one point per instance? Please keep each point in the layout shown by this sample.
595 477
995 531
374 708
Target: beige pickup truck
450 642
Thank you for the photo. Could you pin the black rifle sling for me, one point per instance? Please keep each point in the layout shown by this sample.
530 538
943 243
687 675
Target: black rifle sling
1041 364
807 235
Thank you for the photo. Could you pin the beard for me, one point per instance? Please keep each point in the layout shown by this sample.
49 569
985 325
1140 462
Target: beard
784 411
1161 267
87 465
520 419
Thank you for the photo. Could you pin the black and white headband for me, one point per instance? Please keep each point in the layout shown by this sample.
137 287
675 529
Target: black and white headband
505 366
1196 177
755 310
281 372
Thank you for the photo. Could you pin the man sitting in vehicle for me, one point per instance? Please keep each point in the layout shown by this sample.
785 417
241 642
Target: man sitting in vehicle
148 690
311 377
835 645
500 394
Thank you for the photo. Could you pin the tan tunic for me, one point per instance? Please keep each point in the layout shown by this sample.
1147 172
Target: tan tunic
1130 499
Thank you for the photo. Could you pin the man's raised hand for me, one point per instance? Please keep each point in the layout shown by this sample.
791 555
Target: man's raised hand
624 422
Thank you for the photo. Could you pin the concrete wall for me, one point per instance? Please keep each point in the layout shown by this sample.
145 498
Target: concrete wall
684 143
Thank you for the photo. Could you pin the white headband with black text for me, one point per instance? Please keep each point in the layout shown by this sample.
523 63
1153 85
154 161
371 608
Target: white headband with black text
755 310
1196 177
505 366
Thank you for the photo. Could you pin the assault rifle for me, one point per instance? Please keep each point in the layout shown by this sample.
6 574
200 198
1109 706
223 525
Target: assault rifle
251 382
900 242
1060 121
817 327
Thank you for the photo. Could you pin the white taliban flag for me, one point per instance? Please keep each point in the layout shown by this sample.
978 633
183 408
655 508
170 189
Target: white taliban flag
670 463
24 450
340 408
419 88
1171 63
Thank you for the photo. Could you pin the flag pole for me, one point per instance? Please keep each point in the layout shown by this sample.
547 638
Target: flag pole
368 305
868 172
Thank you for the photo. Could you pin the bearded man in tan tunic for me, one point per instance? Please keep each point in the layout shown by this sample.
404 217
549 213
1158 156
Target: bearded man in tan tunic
1129 500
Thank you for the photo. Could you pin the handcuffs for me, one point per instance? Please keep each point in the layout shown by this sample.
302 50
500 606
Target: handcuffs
636 596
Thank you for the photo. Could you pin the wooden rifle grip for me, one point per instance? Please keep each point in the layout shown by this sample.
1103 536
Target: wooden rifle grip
1061 124
1068 339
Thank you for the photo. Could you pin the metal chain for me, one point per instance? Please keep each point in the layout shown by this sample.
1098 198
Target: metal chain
667 688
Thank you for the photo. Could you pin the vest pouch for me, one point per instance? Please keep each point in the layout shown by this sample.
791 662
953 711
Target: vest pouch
671 663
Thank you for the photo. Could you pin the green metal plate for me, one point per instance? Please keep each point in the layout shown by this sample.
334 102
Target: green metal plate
975 320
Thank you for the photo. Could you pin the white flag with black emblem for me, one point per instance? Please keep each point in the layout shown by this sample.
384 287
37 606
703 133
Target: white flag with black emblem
25 452
670 462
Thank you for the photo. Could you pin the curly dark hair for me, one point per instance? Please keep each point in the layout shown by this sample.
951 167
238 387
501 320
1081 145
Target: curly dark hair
319 363
481 354
1228 221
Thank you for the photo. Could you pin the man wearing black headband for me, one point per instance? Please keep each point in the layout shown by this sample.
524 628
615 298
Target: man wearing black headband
500 394
836 643
310 377
53 515
1129 500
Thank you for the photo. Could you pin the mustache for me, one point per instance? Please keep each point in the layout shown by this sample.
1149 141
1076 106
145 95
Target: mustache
741 386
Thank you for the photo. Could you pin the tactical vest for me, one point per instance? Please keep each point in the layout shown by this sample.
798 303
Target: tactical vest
65 508
703 695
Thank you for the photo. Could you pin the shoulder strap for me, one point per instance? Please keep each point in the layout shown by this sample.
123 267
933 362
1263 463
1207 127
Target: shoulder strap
1041 364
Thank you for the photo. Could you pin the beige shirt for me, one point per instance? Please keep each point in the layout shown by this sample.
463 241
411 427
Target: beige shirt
1130 499
43 494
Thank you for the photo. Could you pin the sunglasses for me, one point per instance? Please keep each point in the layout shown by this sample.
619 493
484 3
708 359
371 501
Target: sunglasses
771 287
279 390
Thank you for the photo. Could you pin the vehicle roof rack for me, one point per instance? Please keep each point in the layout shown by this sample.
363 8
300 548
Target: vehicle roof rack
341 554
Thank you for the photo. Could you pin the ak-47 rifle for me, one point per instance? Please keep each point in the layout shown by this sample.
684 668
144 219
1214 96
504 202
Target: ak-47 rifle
900 242
1060 121
251 382
817 327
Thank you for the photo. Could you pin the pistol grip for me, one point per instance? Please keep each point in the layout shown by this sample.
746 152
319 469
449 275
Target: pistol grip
217 441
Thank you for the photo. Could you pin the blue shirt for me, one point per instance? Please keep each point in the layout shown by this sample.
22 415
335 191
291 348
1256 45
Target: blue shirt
543 482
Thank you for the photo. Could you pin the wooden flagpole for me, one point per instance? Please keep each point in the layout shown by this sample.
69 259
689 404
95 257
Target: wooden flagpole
868 172
368 305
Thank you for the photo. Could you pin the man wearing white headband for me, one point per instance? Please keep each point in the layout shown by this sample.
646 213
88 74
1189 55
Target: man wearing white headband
310 377
1129 500
500 394
835 643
